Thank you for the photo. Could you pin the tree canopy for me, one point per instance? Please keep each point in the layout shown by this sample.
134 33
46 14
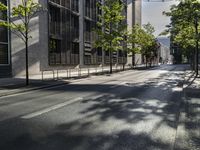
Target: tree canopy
143 40
111 27
184 16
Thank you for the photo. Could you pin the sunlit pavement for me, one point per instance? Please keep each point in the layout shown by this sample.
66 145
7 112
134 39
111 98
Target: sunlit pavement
137 109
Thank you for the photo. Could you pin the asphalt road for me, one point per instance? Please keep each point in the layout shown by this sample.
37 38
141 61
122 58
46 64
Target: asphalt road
132 110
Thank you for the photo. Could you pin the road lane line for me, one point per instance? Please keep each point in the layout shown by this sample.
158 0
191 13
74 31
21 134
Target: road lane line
118 85
97 97
38 113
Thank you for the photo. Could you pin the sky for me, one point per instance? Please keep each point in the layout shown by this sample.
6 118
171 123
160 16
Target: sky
152 12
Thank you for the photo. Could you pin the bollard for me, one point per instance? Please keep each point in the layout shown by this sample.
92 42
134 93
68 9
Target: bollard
80 72
53 75
42 76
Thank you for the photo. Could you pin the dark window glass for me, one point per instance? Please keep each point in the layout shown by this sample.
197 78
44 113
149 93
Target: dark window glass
87 8
65 3
3 53
74 5
3 38
54 20
75 48
55 51
75 27
99 51
87 30
4 35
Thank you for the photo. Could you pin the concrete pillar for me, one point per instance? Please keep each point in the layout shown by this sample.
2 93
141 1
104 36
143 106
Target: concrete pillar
137 12
81 32
130 22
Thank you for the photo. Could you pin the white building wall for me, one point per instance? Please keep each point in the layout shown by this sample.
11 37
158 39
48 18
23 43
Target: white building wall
134 17
38 44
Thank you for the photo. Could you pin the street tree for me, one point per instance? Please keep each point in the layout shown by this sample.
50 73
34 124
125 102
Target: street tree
110 27
144 41
23 13
184 27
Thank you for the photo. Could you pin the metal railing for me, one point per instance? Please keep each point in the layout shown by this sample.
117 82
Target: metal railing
68 73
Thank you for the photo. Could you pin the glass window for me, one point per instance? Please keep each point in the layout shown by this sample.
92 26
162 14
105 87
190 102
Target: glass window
75 48
4 54
75 27
4 35
87 31
87 8
55 51
64 32
75 5
3 38
65 3
54 20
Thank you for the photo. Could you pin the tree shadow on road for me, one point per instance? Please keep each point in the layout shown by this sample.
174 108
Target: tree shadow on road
74 136
133 116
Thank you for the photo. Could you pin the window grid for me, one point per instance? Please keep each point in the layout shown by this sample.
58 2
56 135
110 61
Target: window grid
4 54
64 27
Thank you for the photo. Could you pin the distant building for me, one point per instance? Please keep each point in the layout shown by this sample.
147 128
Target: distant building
62 37
164 54
134 16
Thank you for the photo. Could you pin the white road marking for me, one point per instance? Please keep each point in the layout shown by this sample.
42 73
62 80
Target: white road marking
96 97
38 113
115 86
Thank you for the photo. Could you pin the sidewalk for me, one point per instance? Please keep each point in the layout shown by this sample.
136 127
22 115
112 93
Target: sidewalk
48 79
188 132
9 86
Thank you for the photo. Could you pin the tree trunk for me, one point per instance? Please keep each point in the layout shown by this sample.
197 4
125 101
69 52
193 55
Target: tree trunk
27 71
197 47
146 62
110 62
123 61
26 43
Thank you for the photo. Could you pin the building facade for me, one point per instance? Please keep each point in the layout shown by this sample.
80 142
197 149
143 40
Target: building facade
134 16
5 63
62 37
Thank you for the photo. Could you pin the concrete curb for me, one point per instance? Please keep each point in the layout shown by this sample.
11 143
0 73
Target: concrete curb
182 135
